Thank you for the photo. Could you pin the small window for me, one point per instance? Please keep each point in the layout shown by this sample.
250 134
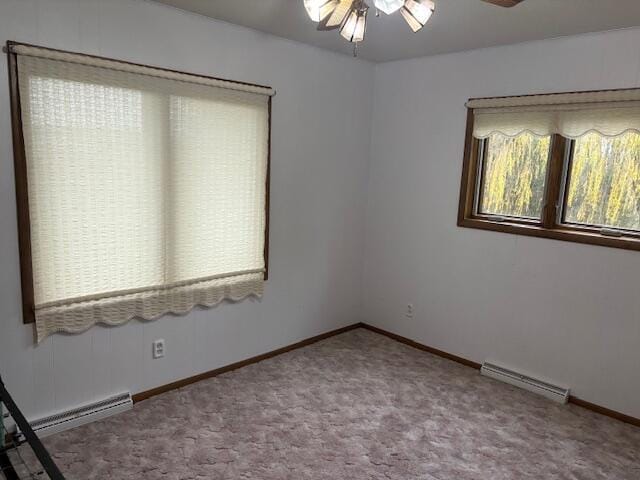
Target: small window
513 175
603 182
561 166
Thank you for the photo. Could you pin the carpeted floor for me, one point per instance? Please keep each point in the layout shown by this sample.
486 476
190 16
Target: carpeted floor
356 406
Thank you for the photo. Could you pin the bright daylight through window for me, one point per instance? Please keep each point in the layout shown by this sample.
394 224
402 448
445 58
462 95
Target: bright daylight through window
604 182
147 189
563 166
513 175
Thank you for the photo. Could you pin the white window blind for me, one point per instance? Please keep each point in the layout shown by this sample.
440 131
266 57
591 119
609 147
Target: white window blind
147 189
610 113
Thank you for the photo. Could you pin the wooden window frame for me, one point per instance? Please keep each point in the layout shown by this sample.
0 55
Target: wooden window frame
551 225
22 185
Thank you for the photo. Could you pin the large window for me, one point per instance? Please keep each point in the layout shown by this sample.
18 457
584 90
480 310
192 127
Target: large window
564 166
140 191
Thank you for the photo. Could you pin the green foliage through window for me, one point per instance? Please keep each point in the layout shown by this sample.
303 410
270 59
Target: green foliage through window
514 174
604 181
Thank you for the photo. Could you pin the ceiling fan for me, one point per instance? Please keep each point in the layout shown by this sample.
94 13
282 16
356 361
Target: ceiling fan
504 3
350 16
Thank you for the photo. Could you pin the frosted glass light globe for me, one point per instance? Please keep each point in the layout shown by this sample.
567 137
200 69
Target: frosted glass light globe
388 6
318 9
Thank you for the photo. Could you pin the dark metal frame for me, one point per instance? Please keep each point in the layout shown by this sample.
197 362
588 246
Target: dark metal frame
34 442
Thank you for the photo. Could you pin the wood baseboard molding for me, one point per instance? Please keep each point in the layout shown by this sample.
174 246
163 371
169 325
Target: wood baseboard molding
420 346
605 411
399 338
138 397
469 363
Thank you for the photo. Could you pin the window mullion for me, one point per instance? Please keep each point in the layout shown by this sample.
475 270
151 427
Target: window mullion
553 189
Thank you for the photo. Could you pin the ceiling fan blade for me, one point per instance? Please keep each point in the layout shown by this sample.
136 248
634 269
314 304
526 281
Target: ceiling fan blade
504 3
337 16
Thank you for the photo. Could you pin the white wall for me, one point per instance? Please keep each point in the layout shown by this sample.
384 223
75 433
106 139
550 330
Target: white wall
320 150
565 311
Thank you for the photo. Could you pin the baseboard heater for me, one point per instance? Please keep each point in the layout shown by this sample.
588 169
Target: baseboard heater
553 392
59 422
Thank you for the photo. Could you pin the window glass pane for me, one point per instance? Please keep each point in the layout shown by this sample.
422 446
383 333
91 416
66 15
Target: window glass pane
95 190
604 181
514 174
218 156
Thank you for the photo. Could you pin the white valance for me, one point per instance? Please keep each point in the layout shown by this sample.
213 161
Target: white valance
610 113
78 316
147 193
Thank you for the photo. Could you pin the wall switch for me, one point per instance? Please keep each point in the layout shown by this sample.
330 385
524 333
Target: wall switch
409 312
158 348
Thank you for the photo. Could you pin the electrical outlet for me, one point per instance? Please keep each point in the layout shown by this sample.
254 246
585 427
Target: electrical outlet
409 312
158 348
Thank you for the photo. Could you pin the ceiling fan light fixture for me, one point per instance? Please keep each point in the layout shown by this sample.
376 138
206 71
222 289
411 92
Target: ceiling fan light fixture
320 9
350 16
355 25
336 18
417 13
388 6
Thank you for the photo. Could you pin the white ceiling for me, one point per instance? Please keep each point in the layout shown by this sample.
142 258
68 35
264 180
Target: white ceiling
456 25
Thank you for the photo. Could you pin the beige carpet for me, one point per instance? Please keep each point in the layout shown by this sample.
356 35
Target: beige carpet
356 406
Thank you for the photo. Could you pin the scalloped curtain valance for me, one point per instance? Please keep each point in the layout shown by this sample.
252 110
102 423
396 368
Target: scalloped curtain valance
147 189
610 113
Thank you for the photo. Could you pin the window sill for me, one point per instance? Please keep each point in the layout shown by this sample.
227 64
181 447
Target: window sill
557 233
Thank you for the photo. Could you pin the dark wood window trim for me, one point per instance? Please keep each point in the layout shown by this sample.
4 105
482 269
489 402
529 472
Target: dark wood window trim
551 224
21 181
22 191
